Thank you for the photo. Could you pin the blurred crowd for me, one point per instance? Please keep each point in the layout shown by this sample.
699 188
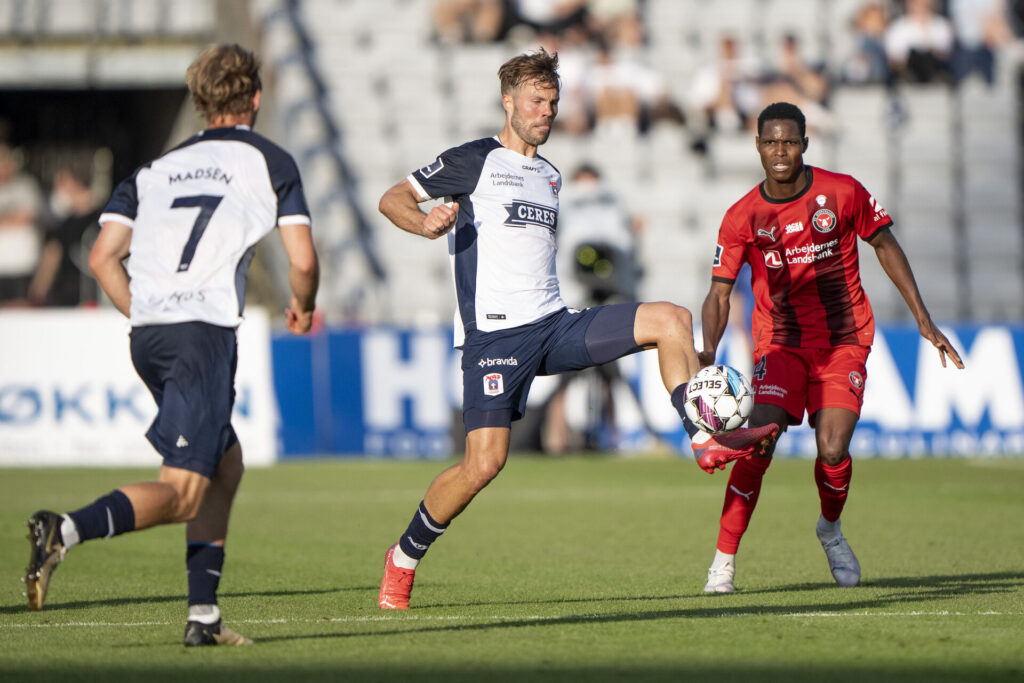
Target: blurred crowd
46 229
610 81
611 85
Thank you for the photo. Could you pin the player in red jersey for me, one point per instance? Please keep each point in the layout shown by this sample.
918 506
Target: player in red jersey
812 324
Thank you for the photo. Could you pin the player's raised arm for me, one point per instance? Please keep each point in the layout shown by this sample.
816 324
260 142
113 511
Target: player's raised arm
303 276
401 205
105 262
714 316
897 267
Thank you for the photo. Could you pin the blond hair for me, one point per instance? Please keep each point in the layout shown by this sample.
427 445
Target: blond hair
540 66
223 80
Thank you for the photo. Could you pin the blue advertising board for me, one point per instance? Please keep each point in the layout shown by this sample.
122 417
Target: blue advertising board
396 392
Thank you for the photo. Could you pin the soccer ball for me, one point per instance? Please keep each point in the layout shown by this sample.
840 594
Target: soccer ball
718 399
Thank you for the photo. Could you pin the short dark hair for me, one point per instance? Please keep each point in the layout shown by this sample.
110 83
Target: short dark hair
782 111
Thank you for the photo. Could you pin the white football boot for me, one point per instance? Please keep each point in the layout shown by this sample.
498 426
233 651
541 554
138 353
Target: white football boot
720 579
841 560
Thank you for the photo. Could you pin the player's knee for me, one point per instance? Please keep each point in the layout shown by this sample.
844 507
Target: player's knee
481 472
186 507
676 322
831 452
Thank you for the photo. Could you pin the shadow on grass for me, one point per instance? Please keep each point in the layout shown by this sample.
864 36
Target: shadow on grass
927 588
179 597
934 586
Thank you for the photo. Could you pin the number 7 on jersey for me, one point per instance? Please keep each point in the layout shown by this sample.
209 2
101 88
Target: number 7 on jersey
207 204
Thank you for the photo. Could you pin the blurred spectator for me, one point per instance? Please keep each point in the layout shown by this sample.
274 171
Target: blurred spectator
548 16
805 81
470 21
596 259
21 203
868 63
620 90
611 18
919 44
596 264
981 26
794 80
62 277
725 93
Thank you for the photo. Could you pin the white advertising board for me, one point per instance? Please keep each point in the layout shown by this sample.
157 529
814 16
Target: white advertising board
69 394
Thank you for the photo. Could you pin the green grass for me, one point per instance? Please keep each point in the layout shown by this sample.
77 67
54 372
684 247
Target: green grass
563 569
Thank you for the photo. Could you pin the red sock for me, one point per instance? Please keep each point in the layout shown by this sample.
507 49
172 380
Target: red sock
740 499
833 486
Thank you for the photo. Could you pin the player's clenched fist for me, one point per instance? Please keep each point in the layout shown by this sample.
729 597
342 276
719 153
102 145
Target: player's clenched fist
440 220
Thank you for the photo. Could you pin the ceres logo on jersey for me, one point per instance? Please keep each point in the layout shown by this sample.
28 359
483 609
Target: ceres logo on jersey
772 259
522 214
823 220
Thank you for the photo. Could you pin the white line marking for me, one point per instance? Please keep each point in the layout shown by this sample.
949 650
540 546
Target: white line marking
530 617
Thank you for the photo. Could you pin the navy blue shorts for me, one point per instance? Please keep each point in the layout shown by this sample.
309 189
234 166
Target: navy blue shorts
190 370
498 367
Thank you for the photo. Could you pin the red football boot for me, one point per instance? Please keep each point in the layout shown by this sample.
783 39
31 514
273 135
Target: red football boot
396 586
722 449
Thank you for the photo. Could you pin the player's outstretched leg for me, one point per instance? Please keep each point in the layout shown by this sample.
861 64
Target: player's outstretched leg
48 551
719 450
396 585
841 561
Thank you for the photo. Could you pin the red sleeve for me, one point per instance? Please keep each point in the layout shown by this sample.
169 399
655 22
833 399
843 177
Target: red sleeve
729 252
868 214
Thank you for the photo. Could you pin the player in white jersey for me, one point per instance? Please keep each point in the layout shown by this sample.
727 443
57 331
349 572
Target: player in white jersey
500 213
190 221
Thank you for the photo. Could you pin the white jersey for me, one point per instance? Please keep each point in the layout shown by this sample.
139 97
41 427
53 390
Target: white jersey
196 215
503 244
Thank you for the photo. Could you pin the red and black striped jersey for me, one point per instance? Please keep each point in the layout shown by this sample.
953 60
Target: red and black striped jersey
802 253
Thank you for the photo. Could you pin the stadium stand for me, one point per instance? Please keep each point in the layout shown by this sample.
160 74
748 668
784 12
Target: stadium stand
362 92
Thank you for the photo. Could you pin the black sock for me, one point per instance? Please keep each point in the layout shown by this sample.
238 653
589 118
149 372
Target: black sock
678 401
421 532
108 516
204 562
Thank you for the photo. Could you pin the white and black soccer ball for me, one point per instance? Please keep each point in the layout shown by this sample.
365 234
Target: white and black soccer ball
718 399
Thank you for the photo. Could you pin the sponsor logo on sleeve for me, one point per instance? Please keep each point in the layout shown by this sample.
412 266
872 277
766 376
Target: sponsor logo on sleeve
880 212
718 256
432 168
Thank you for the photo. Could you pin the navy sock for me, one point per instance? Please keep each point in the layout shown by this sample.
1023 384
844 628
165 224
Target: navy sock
421 532
204 562
678 401
108 516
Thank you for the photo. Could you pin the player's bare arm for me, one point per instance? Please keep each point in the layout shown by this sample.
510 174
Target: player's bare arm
401 205
714 315
897 267
303 277
105 262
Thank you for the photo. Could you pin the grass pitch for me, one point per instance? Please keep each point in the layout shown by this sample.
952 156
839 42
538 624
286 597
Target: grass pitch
563 569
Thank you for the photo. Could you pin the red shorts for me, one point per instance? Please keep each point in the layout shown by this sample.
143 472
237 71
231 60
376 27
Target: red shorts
798 379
